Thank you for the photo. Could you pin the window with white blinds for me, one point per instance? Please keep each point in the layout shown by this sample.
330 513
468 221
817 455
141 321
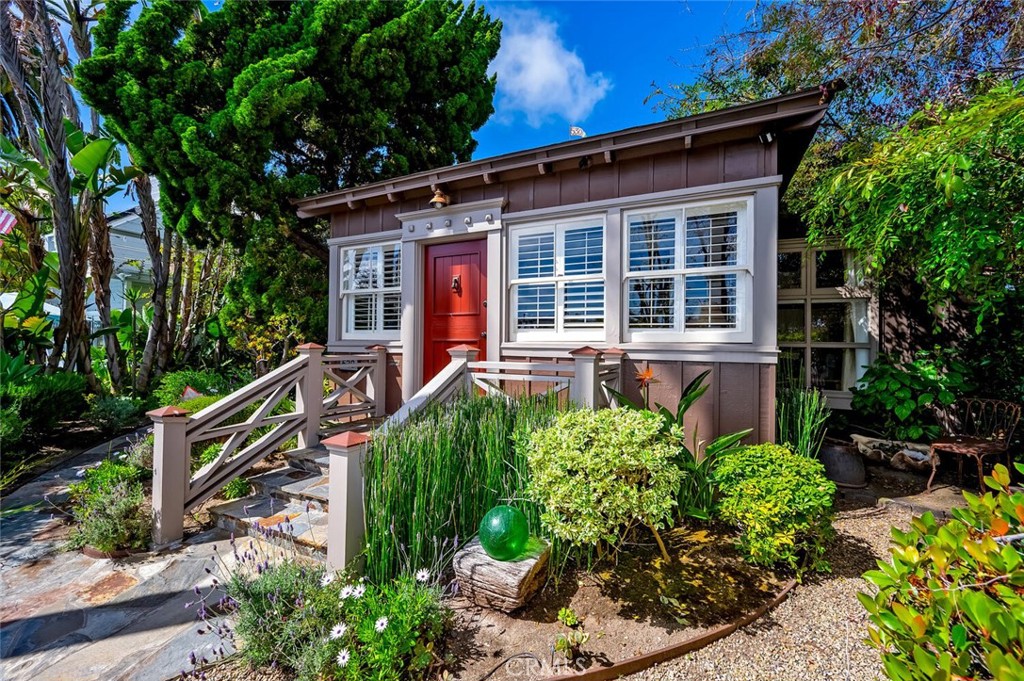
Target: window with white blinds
371 291
557 280
688 272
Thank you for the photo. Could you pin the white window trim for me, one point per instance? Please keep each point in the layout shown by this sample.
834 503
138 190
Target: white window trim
559 279
743 268
343 294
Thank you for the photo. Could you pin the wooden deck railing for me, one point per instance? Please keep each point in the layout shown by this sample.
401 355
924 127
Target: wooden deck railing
327 394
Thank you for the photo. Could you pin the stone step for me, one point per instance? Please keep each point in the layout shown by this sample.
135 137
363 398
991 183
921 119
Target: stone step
289 525
294 484
312 459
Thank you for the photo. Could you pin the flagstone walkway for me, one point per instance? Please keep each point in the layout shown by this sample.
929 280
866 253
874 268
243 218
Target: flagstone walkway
64 616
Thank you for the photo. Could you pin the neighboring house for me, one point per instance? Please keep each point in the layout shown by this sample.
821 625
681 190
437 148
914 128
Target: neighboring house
661 240
132 266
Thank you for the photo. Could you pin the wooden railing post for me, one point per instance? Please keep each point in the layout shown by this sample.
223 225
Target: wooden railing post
465 354
617 357
170 473
375 384
309 394
585 388
346 524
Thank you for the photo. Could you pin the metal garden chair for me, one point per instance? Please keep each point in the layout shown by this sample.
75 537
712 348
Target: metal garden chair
977 428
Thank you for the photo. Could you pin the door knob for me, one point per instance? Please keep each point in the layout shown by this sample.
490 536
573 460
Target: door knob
483 334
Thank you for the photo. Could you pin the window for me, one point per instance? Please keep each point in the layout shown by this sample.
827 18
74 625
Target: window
823 326
688 273
557 282
371 293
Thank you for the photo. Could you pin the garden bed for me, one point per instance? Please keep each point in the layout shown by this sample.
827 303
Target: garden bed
634 607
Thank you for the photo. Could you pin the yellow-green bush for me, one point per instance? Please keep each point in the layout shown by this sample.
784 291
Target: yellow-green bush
596 474
780 501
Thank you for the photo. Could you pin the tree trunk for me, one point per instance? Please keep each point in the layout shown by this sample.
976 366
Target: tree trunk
101 261
167 345
11 61
72 239
159 255
188 305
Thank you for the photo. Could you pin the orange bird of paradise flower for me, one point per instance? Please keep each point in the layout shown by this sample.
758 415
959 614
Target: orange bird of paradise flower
644 377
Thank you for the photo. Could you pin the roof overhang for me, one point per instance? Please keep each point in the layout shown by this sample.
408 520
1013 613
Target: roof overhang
799 112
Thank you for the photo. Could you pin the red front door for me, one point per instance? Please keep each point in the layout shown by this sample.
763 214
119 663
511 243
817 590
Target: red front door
455 302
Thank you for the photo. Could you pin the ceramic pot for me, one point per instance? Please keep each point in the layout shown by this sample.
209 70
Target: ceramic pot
110 555
844 464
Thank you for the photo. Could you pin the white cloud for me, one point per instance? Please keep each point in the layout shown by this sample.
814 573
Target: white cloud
538 76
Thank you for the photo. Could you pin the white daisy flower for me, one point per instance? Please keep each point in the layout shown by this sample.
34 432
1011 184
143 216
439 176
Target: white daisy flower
342 658
423 576
381 625
346 591
358 591
327 578
338 631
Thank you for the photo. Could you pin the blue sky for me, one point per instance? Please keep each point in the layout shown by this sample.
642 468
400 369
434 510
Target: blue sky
592 64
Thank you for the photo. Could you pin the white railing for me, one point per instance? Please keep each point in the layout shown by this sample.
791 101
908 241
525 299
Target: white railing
329 394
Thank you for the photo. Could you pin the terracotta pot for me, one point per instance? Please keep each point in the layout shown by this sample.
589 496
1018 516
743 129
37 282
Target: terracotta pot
112 555
844 464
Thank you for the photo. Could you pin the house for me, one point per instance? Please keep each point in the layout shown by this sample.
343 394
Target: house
664 241
567 266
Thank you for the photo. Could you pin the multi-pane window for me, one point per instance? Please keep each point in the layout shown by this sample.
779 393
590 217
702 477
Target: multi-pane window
688 272
823 323
371 290
557 280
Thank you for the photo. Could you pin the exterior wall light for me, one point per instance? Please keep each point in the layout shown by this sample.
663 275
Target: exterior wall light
440 200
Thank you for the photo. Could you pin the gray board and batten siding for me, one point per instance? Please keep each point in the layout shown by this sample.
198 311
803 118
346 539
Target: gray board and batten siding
748 151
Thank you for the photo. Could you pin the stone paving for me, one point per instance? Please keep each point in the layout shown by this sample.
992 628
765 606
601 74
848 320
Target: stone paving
66 616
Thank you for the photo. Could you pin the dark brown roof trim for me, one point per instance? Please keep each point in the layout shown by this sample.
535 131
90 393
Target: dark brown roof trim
806 106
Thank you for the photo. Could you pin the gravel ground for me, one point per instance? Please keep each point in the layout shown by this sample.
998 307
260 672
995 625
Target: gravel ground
817 633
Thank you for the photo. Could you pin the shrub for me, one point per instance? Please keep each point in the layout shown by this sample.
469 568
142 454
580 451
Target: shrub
112 518
107 474
173 384
900 396
113 413
430 481
780 501
139 453
598 473
950 601
301 618
43 401
12 429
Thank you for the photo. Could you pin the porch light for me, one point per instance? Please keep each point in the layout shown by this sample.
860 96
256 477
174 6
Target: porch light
440 199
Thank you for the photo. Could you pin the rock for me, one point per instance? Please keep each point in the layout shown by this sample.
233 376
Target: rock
501 585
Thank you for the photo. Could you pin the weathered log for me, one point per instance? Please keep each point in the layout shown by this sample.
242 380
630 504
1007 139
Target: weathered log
501 585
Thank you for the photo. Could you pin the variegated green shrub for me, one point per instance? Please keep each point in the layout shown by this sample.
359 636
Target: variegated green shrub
950 601
596 474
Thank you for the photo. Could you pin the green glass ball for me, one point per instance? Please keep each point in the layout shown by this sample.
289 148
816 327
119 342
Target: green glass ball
504 533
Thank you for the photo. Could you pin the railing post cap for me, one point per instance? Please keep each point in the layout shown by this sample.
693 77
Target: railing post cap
167 412
463 348
378 346
346 440
308 347
585 351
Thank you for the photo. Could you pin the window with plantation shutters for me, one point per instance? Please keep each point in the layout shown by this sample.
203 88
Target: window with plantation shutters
557 288
371 291
688 273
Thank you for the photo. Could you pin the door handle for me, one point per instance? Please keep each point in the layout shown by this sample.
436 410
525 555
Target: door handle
483 334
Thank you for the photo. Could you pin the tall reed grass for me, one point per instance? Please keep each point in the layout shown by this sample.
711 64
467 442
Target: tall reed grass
431 480
802 418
